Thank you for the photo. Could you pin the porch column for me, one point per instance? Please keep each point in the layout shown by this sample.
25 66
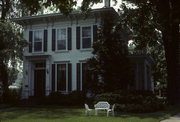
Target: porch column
48 77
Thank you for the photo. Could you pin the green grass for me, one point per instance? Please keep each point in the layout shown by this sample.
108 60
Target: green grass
74 114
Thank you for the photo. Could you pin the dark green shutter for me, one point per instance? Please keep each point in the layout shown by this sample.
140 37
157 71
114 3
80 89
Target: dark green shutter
53 39
94 33
53 77
69 38
78 77
45 40
78 37
30 41
69 77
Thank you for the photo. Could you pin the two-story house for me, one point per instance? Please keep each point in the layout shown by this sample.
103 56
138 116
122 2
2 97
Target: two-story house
59 46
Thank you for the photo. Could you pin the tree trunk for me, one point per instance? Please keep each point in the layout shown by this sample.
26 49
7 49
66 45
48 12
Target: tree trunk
170 33
4 78
170 43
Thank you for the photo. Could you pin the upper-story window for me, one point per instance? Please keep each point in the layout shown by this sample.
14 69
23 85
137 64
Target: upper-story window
38 41
61 39
86 37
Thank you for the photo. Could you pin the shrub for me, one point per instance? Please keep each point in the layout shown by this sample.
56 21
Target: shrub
14 96
74 98
132 101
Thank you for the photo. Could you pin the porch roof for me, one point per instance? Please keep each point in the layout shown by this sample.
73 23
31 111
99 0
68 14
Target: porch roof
37 56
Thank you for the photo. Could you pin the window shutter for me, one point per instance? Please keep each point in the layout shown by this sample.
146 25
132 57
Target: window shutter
30 41
94 33
78 37
45 40
78 76
69 77
53 39
53 77
69 38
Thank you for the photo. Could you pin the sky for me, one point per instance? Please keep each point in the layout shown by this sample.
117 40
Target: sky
95 6
101 5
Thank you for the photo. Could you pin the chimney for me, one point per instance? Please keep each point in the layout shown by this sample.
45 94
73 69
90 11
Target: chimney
107 3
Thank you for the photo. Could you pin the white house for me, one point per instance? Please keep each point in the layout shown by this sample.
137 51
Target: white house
59 46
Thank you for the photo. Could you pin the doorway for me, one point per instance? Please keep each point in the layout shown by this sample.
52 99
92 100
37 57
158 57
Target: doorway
39 79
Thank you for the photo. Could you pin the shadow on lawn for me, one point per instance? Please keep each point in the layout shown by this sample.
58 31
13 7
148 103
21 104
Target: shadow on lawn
54 112
169 111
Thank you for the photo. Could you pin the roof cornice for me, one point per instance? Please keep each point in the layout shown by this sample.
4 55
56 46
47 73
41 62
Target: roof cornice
45 18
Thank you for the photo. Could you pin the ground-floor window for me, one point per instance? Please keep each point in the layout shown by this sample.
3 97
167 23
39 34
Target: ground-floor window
63 77
83 76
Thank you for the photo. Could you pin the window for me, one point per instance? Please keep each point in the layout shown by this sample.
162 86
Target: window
86 37
38 41
61 39
84 77
61 77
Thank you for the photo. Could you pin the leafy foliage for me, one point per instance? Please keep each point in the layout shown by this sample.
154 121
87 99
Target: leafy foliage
12 40
11 51
110 60
146 34
134 101
65 6
153 21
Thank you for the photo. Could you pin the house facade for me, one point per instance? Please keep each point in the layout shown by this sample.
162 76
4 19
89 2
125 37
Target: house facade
59 46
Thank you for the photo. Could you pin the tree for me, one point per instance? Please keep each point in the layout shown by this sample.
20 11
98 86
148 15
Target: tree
164 19
110 61
11 41
147 36
11 52
64 6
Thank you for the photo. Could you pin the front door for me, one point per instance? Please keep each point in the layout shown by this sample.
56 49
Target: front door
39 82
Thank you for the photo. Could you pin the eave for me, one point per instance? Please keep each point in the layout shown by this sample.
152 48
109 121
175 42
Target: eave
75 15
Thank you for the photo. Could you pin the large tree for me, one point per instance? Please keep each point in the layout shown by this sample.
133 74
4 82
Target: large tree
110 61
11 43
147 36
163 18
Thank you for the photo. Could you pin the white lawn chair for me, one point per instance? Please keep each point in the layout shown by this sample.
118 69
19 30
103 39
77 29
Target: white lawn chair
111 110
88 111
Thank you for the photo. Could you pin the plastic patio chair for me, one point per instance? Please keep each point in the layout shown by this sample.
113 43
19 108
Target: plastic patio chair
111 110
88 111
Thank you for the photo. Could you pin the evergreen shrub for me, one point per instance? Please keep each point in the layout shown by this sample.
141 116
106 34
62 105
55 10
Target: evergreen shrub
135 101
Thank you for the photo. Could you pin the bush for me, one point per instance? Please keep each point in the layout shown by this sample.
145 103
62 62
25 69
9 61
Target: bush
74 98
132 101
14 96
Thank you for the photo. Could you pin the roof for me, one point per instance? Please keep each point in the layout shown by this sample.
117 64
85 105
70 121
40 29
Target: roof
75 15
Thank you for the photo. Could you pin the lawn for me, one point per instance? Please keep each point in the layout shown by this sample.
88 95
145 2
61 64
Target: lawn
74 114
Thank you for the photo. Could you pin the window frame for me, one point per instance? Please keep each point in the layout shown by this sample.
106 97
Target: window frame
66 40
56 82
34 41
81 36
81 74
